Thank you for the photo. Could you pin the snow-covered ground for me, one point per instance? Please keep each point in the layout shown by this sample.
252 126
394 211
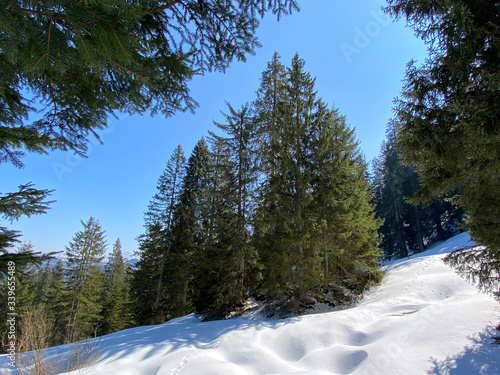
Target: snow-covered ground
423 319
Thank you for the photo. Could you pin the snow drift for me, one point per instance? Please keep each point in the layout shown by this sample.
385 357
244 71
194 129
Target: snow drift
422 319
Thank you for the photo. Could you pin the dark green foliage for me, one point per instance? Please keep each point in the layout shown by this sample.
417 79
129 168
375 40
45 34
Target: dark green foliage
144 284
229 258
85 60
57 301
72 64
278 205
116 314
85 280
449 110
192 228
155 244
314 223
26 202
346 227
407 226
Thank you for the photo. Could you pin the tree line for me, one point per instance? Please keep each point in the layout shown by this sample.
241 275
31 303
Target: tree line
80 297
276 204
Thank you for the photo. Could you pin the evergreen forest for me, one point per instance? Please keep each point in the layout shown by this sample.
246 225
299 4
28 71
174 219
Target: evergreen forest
277 205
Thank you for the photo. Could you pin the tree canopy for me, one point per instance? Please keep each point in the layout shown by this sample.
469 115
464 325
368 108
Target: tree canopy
77 62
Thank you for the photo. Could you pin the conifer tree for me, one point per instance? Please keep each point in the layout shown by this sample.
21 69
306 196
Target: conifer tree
407 224
232 259
85 61
345 217
44 277
116 315
449 115
191 229
57 302
25 280
270 97
159 220
144 283
82 62
314 223
85 280
284 218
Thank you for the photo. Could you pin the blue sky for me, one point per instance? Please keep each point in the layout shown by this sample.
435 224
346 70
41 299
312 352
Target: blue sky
357 54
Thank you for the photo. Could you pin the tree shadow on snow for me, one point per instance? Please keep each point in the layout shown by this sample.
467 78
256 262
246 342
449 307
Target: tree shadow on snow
480 357
178 333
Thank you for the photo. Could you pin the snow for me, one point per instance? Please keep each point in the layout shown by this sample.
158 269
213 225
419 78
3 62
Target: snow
422 319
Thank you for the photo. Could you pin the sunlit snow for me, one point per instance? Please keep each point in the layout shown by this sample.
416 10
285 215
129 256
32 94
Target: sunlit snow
422 319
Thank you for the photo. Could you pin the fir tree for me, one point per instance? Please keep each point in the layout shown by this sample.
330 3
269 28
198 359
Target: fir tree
44 276
314 223
407 225
284 217
85 61
85 280
26 202
25 280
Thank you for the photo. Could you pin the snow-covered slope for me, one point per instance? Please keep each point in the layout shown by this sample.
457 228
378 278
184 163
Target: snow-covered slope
423 319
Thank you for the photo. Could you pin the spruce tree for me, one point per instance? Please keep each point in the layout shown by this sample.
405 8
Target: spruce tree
116 302
82 62
26 288
85 280
191 229
314 224
407 225
159 220
345 220
57 301
44 276
449 114
231 258
284 219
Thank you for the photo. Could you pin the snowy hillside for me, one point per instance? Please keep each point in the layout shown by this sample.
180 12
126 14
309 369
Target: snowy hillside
423 319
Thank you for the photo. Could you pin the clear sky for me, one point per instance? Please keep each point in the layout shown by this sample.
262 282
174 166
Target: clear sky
357 54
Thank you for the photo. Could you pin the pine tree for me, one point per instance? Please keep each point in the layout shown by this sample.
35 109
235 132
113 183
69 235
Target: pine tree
116 315
85 280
